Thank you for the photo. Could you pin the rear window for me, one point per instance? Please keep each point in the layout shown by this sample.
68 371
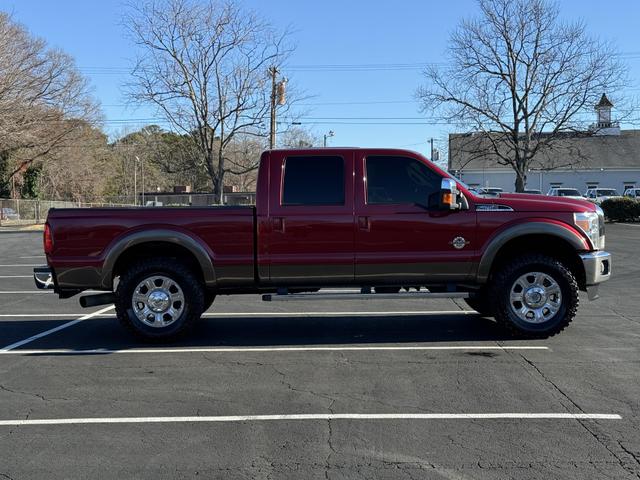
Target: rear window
313 180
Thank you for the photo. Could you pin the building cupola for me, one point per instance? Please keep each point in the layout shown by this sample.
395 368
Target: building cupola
604 112
604 125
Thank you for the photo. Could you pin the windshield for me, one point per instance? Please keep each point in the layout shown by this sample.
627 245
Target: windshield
568 192
608 192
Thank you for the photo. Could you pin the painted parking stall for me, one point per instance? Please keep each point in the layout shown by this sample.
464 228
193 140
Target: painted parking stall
351 387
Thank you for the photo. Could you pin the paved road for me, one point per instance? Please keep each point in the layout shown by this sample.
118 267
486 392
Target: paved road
249 358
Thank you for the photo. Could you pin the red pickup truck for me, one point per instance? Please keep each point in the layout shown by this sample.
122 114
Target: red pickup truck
383 221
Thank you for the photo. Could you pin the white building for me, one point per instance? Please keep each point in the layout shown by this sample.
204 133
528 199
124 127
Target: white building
603 156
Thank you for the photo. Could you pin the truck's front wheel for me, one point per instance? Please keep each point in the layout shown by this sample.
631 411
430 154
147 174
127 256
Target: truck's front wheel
535 295
159 299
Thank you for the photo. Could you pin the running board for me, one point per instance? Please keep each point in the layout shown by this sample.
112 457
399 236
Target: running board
287 297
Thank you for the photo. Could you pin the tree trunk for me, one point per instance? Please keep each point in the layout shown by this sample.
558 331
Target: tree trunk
211 172
218 191
220 175
521 181
5 187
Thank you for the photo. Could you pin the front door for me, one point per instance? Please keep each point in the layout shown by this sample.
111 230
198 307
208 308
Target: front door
311 239
399 238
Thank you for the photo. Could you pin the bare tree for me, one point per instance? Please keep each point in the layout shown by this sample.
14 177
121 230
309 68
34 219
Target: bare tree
523 78
298 137
80 169
204 65
244 157
43 99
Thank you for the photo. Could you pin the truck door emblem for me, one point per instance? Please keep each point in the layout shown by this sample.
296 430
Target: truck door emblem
459 243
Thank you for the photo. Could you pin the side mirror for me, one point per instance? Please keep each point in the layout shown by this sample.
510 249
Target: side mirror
449 195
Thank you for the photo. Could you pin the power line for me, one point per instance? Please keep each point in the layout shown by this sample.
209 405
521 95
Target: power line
109 70
364 102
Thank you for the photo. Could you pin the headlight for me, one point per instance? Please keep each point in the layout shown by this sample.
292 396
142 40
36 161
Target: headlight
590 224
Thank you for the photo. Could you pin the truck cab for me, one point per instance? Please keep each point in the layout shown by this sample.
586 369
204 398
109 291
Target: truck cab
367 217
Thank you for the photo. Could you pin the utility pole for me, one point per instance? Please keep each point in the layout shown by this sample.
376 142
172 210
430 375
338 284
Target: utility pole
273 71
142 173
431 142
278 97
327 135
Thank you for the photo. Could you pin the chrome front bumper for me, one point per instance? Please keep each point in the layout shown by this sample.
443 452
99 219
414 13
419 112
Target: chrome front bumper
597 269
43 278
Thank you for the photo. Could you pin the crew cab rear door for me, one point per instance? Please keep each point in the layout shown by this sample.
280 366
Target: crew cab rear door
400 240
311 222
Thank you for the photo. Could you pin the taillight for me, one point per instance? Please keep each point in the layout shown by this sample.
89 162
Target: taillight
48 239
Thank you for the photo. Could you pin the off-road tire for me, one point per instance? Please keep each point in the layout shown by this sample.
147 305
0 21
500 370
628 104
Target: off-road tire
194 298
500 290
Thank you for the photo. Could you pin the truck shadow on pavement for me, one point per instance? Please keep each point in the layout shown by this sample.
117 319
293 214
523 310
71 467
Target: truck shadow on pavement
106 333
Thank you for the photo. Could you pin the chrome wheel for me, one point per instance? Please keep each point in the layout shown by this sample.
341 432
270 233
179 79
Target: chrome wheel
158 301
535 297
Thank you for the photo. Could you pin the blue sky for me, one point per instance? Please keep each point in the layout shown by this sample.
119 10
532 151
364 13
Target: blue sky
331 32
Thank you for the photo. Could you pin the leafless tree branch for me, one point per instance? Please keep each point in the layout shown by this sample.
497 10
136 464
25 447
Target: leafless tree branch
204 65
524 79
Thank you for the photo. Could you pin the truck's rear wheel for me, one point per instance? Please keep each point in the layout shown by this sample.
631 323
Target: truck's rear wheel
535 296
159 299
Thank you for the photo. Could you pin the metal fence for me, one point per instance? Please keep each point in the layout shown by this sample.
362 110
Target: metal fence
196 199
26 212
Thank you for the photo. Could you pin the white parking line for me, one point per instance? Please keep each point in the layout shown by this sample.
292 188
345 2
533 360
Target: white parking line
47 315
27 292
276 349
40 292
318 416
16 276
53 330
23 265
270 314
33 256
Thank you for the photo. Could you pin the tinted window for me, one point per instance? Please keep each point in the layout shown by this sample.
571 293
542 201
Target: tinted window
400 180
313 181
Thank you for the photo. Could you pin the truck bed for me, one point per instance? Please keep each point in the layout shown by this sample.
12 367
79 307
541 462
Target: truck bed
85 237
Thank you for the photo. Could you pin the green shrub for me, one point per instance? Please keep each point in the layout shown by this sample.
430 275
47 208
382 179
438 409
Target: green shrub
621 209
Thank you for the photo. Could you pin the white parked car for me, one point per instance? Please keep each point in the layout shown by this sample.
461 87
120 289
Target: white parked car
9 214
565 192
599 195
632 193
489 191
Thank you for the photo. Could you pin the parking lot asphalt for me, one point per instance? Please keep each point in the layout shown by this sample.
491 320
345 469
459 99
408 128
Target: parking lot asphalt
322 389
